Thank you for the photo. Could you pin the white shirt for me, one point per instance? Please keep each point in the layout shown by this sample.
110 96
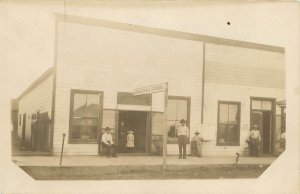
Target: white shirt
183 130
107 138
254 134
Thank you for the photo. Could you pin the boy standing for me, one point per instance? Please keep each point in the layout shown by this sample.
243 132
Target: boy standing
198 143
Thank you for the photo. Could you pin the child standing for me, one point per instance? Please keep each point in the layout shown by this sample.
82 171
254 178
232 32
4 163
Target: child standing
198 143
130 141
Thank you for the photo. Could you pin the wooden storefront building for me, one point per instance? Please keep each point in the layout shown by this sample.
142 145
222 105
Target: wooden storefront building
221 87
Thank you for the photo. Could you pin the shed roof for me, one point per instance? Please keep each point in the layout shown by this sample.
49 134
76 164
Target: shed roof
45 75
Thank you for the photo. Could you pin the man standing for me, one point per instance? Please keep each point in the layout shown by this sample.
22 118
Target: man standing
107 143
254 140
183 134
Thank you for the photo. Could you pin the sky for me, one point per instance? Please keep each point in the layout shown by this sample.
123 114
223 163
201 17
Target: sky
28 34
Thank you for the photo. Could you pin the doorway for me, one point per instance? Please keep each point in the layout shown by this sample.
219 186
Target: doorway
262 113
264 121
40 133
23 129
138 122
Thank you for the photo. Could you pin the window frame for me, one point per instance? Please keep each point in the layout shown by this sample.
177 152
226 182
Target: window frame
120 95
237 143
100 116
20 119
188 115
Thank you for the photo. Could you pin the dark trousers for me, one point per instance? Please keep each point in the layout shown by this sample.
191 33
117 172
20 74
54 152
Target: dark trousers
253 145
110 149
182 141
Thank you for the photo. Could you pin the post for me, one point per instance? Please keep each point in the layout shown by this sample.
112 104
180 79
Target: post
62 149
165 131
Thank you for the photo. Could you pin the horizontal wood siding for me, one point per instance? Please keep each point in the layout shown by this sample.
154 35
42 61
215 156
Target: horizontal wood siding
39 99
243 66
110 60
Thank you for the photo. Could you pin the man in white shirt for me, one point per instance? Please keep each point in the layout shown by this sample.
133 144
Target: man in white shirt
183 134
108 144
254 137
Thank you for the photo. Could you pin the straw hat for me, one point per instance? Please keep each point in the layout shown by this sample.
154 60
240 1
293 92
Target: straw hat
107 129
182 121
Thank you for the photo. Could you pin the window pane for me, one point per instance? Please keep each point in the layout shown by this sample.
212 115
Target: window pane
79 105
228 126
223 113
91 128
172 126
172 109
228 134
182 109
256 104
231 134
233 113
84 129
266 105
222 133
128 98
177 110
86 105
92 106
77 128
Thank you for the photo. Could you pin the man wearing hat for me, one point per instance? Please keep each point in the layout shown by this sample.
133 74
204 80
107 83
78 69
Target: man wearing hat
183 134
107 143
197 140
254 140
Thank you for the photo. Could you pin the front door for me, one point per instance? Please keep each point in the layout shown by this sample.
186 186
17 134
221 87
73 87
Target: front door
40 129
264 121
138 122
262 112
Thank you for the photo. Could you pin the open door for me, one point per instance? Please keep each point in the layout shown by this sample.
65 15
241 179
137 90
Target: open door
41 133
264 122
138 122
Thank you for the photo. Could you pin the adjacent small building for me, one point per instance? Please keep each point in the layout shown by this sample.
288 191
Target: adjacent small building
221 87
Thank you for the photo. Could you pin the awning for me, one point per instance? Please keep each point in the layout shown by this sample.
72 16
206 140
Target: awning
281 103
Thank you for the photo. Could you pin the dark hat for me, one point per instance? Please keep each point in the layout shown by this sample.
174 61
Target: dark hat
107 129
197 132
182 121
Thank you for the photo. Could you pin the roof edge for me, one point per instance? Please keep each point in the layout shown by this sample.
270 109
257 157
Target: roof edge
45 75
166 32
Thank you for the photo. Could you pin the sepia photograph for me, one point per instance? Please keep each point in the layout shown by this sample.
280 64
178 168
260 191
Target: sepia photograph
138 98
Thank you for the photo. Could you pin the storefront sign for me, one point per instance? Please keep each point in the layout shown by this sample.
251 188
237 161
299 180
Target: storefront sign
150 89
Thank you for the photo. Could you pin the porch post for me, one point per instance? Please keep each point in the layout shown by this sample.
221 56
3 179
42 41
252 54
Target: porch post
165 131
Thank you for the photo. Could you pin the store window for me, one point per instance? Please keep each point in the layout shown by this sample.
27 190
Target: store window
261 105
228 123
85 116
178 108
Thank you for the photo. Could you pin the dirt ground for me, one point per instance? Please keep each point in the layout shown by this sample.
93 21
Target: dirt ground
150 172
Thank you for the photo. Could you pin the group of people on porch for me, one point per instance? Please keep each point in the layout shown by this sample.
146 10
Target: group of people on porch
253 140
109 146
